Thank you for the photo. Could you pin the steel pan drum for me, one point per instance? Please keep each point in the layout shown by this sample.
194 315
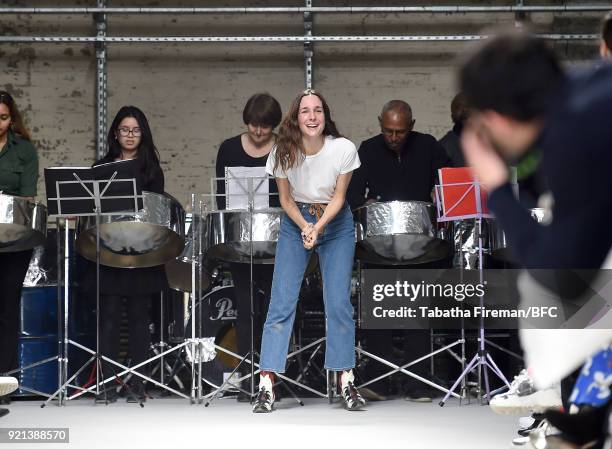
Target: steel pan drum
152 236
465 239
399 233
178 270
228 235
23 224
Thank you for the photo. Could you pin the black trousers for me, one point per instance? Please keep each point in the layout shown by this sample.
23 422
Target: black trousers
13 268
262 278
138 324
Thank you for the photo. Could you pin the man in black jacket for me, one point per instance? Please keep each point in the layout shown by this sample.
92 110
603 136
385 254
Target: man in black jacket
399 164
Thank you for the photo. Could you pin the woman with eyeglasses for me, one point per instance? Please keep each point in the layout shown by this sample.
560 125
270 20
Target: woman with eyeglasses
130 137
18 177
312 164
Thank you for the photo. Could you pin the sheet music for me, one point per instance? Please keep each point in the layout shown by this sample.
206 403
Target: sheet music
237 184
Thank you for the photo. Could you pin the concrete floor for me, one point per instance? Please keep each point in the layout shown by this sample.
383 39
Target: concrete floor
174 423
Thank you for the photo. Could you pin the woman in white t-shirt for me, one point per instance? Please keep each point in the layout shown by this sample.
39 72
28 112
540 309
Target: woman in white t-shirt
312 164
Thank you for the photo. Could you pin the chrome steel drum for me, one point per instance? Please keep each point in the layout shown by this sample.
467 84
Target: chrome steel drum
466 243
178 270
499 244
152 236
23 224
228 235
399 233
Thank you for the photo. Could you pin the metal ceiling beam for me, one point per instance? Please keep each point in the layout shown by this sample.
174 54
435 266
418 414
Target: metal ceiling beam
272 39
314 9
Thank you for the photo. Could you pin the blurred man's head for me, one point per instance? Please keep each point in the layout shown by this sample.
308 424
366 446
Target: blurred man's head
396 122
605 47
510 83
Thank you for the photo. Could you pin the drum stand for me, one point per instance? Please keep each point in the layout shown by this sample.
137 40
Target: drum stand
166 372
402 368
482 360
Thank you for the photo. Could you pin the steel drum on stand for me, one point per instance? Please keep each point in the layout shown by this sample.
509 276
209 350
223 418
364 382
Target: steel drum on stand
178 270
228 235
399 233
152 236
23 224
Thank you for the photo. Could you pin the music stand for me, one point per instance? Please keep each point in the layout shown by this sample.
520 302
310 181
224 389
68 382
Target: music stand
460 197
105 190
251 191
81 192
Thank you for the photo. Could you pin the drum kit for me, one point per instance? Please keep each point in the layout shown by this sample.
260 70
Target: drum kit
386 233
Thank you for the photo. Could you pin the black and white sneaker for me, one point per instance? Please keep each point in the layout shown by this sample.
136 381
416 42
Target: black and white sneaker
350 395
264 403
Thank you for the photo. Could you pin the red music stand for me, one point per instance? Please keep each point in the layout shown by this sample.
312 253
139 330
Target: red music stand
461 197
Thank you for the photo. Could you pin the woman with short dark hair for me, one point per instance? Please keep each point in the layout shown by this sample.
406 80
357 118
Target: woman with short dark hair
261 114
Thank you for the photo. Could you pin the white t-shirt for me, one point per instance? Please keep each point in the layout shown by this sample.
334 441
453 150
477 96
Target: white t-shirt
313 179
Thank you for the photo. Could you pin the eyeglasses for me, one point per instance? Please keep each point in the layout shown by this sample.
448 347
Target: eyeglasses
124 132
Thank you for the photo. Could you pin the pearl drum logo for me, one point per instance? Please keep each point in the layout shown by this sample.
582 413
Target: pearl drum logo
224 310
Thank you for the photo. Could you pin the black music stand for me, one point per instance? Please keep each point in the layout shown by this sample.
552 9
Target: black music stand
107 189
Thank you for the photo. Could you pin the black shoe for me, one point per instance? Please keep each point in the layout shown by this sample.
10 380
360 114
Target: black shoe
418 395
372 394
537 419
4 412
136 394
107 396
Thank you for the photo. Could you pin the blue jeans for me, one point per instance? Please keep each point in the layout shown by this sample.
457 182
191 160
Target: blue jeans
336 249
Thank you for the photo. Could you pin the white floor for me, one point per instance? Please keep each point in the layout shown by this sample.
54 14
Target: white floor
174 424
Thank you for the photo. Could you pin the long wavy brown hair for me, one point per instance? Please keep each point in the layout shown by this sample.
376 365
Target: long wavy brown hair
17 123
289 146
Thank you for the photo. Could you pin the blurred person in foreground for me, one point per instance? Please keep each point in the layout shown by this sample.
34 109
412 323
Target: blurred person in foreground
524 102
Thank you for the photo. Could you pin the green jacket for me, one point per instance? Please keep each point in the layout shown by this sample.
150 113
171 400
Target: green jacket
18 167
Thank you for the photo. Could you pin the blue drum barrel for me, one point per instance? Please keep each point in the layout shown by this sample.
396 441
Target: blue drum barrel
38 339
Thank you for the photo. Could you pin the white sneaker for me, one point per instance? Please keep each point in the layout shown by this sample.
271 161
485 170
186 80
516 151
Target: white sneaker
522 397
8 385
525 422
264 403
350 395
536 439
520 443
